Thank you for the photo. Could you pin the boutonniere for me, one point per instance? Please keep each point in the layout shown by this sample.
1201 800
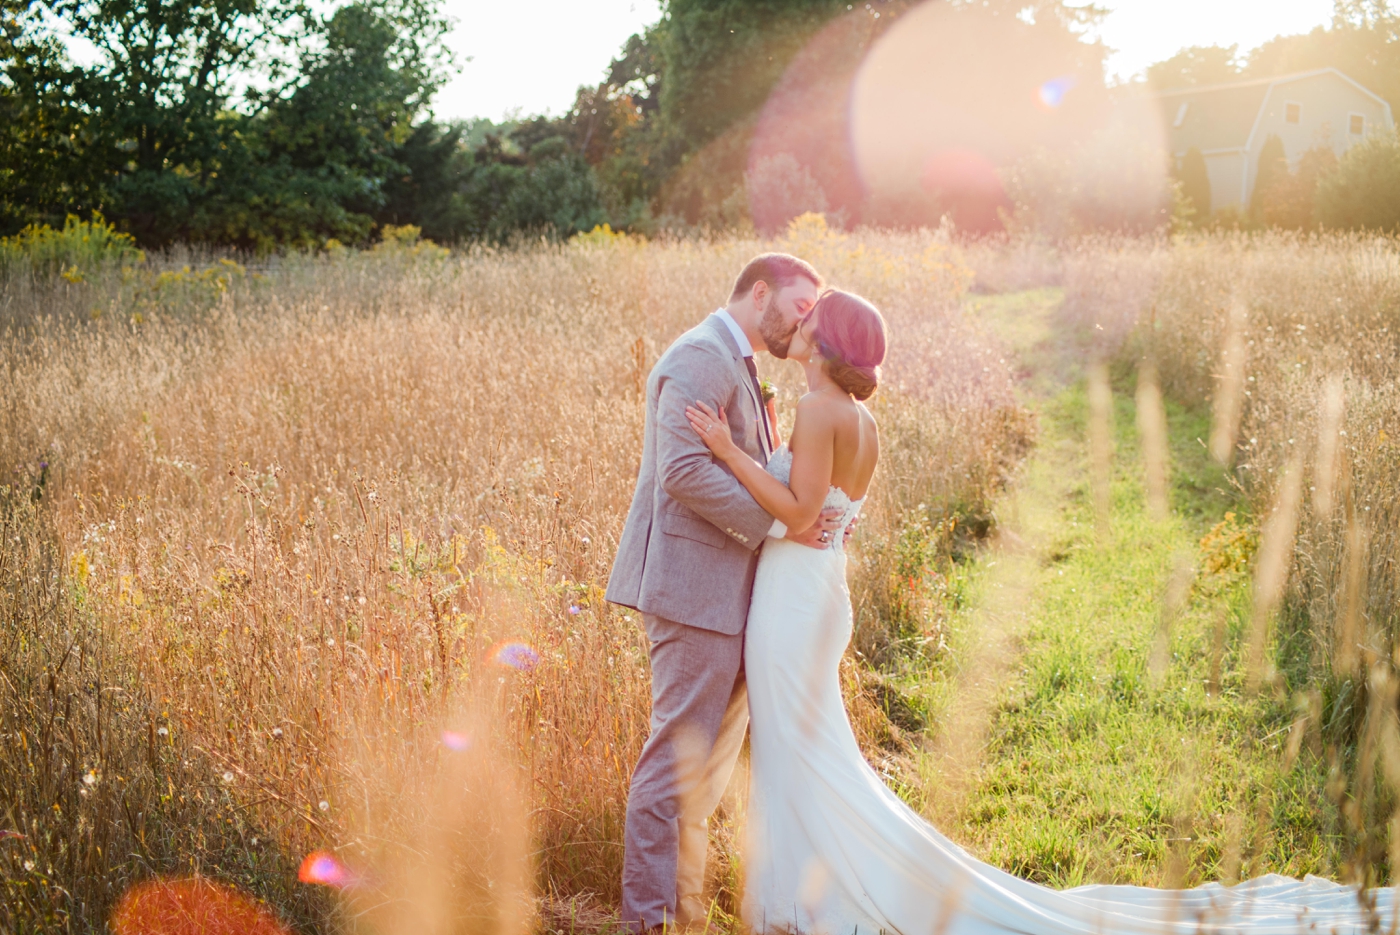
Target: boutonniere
768 390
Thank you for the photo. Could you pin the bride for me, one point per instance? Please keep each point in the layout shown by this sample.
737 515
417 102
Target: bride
830 848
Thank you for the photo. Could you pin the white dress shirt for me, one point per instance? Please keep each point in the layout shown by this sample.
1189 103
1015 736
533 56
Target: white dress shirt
779 528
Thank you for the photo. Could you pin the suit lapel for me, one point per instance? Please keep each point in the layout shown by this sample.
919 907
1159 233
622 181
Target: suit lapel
742 371
757 402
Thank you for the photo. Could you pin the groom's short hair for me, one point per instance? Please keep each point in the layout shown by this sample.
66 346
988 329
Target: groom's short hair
777 269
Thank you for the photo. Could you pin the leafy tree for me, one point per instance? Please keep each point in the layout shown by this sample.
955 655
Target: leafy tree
1273 166
1112 181
330 148
1290 202
154 135
45 172
1364 190
723 56
1195 182
557 194
428 191
548 191
781 188
1362 42
160 92
1195 66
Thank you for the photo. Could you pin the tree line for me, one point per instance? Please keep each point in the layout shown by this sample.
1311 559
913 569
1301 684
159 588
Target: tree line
262 124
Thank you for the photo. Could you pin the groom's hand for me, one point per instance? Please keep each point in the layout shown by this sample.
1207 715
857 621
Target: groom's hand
850 530
821 533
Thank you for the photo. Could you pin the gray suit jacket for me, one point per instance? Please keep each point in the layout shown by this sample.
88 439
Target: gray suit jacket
690 545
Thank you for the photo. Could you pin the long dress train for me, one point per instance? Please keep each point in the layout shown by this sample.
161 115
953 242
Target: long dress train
830 849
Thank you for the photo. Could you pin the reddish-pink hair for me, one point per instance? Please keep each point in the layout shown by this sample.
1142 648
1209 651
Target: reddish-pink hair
850 335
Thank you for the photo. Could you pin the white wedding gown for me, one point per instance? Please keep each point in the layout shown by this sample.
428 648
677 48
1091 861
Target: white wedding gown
830 849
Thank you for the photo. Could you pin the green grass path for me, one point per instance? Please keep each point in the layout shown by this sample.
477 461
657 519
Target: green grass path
1074 738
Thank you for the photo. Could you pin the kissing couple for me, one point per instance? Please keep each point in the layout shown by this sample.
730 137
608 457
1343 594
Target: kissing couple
734 554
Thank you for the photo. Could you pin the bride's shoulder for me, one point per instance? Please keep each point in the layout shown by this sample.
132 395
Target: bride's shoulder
817 405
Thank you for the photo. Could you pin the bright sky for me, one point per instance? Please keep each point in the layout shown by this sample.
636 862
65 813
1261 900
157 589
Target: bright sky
1147 31
534 54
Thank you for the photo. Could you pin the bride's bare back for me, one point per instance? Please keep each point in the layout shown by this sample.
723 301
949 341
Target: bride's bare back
834 429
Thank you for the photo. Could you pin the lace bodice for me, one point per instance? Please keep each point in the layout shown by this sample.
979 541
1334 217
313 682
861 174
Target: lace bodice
780 466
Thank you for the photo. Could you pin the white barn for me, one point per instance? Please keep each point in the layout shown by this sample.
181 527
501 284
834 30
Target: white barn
1229 123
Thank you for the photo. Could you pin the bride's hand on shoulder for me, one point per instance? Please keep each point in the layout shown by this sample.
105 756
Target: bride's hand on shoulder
713 430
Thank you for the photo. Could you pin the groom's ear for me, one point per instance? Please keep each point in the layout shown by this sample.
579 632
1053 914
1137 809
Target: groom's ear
760 293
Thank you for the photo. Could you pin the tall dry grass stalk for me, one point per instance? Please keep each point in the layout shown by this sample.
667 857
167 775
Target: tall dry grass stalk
1228 401
1101 447
268 535
1152 430
1329 427
1272 566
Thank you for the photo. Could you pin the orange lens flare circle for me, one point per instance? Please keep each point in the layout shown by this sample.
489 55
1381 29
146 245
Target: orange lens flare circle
191 906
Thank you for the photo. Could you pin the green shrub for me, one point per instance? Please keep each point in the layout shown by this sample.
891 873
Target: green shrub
1364 191
78 248
1195 182
1273 167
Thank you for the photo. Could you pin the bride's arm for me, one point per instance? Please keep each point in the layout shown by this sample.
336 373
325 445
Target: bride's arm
799 504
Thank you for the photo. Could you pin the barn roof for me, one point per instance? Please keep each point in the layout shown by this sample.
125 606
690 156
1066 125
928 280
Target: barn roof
1222 116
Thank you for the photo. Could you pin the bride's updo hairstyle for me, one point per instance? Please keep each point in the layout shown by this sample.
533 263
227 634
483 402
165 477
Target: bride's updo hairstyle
850 337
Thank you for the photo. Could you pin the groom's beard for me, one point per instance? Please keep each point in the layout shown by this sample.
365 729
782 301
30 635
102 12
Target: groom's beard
777 334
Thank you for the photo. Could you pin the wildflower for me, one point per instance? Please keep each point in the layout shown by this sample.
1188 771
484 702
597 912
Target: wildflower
324 806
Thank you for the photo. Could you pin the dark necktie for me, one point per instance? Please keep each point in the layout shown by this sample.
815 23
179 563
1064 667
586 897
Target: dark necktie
766 442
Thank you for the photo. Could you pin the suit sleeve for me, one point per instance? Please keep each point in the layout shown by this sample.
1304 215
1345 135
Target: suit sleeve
688 472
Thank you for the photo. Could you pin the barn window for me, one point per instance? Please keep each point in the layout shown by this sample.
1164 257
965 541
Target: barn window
1293 112
1356 124
1180 115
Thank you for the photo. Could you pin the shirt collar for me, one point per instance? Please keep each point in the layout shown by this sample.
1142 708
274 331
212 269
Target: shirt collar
745 348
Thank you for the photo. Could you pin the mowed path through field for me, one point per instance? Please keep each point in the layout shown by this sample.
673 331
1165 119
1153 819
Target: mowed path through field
1089 721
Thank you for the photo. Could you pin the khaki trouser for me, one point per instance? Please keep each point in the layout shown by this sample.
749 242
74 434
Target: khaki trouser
699 713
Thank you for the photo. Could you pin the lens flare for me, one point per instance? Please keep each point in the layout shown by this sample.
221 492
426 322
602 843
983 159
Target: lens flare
518 656
457 741
193 906
575 610
1052 93
325 869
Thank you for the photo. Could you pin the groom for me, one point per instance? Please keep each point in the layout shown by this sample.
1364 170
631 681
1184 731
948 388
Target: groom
686 561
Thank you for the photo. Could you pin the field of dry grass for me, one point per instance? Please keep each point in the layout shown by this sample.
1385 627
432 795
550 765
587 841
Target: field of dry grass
311 556
268 534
